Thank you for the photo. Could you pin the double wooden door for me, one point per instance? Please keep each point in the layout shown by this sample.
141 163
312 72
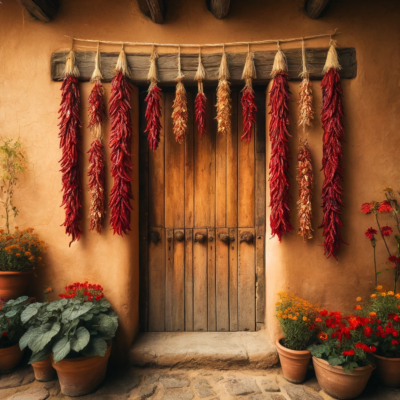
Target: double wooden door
202 224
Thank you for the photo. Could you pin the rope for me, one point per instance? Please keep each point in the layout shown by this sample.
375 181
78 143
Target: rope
267 41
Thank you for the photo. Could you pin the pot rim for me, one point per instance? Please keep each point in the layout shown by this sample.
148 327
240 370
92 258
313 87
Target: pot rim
4 349
78 359
44 362
297 352
16 272
338 368
387 358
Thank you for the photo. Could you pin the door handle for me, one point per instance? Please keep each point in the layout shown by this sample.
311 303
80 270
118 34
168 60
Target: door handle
224 237
179 236
246 237
154 237
200 237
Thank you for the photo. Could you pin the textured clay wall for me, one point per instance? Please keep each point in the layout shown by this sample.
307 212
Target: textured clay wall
29 103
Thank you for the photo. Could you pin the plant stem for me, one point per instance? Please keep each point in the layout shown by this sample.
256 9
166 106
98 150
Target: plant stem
383 237
376 276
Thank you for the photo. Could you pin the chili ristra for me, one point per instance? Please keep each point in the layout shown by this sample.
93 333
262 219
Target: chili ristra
249 108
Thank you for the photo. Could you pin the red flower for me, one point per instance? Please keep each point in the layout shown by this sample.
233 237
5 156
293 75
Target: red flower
366 348
4 334
323 313
370 232
385 207
386 230
367 208
368 331
348 353
394 342
394 259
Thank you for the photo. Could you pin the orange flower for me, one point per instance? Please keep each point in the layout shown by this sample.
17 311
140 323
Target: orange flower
304 318
383 294
18 254
372 314
358 307
379 287
323 336
397 295
390 293
284 316
373 296
358 299
294 318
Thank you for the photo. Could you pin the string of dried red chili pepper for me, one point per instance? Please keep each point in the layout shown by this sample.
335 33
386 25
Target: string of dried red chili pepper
69 139
153 109
201 99
279 161
96 171
249 108
332 114
120 144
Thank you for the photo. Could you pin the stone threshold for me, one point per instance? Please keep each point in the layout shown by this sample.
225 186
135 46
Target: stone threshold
215 350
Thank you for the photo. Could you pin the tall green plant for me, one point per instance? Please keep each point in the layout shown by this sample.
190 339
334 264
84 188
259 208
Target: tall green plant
12 163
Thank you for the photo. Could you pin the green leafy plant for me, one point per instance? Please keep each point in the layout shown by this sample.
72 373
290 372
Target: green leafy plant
296 318
342 340
20 251
12 163
80 324
11 328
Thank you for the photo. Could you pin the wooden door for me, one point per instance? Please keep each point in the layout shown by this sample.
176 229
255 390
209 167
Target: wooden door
202 224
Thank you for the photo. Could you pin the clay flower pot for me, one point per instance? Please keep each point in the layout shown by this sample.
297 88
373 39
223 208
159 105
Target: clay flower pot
339 384
83 375
294 363
13 284
44 371
10 358
388 370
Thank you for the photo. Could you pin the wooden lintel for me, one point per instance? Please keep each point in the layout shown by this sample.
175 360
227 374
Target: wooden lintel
314 8
43 10
219 8
153 9
167 65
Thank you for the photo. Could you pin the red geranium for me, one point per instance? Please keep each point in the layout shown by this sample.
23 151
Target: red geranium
83 291
394 342
370 232
4 334
385 207
386 230
367 208
348 353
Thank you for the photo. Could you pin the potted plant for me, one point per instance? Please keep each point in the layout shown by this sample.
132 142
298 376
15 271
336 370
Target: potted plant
11 330
20 253
384 333
76 331
296 318
342 358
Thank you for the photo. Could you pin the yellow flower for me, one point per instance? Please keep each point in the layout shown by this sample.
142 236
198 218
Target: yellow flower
358 299
379 287
390 293
383 294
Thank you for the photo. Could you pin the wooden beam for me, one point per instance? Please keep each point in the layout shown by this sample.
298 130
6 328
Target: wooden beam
167 65
43 10
153 9
314 8
219 8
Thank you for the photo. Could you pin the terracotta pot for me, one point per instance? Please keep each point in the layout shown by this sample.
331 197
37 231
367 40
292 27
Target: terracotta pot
83 375
339 384
13 284
10 358
294 363
44 371
388 370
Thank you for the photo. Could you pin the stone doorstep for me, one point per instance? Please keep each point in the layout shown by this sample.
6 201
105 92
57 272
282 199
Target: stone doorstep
216 350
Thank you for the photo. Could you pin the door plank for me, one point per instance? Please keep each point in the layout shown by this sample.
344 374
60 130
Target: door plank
174 172
143 218
222 281
200 282
260 279
189 165
204 164
212 318
175 281
156 178
233 281
157 282
221 178
232 168
246 175
246 283
188 280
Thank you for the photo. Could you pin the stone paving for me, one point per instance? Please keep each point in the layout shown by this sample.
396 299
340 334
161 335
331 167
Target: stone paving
179 384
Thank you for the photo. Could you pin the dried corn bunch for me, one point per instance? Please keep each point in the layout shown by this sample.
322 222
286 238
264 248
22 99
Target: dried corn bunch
306 110
69 139
332 124
120 144
201 100
249 108
96 172
224 102
153 109
305 179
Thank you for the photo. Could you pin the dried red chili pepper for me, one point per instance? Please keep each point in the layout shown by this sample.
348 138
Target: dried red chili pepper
332 114
200 111
153 115
249 110
96 172
279 162
69 139
120 143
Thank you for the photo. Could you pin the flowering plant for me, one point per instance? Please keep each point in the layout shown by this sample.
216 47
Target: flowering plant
385 326
296 318
342 340
79 324
11 328
20 251
388 206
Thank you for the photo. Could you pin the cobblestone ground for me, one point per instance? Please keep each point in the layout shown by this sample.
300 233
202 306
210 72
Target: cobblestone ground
174 384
